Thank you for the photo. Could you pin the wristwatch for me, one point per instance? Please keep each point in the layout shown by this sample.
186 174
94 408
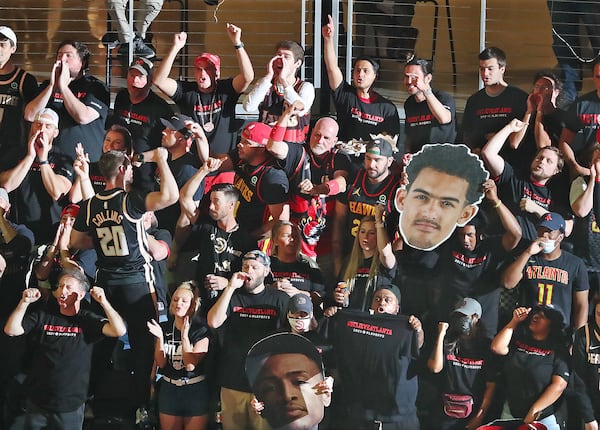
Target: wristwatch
139 158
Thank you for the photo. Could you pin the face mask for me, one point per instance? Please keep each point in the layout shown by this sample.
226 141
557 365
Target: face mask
300 325
460 324
548 246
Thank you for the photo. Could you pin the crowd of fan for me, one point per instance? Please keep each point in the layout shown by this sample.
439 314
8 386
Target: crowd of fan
207 235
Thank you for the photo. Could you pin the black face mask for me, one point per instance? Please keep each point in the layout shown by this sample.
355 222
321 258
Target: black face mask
460 324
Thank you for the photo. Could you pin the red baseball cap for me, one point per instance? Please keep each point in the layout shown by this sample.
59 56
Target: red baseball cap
257 133
211 58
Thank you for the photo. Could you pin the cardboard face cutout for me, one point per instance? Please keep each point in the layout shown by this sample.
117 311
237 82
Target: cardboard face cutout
444 191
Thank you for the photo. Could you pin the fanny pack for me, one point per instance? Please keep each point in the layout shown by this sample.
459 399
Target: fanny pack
458 405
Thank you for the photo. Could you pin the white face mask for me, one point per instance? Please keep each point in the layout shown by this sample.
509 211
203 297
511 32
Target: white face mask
548 246
300 325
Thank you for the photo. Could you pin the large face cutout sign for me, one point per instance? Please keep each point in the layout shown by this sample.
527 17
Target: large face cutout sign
444 191
285 371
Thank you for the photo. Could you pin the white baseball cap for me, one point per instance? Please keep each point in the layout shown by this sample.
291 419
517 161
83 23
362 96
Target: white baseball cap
8 33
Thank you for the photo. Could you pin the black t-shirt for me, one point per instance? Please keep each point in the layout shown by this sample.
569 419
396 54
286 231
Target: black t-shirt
174 367
512 189
31 203
359 118
582 118
141 119
61 364
217 107
421 126
528 370
362 290
114 219
94 94
143 122
374 356
17 88
250 317
300 274
486 114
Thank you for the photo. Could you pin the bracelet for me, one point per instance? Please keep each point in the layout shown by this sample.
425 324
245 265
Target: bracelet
498 203
278 133
427 92
43 163
240 46
333 187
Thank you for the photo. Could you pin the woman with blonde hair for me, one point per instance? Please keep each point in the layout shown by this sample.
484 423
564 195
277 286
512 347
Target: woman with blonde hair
180 349
371 265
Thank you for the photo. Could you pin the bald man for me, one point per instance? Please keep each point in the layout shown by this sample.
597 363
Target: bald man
329 169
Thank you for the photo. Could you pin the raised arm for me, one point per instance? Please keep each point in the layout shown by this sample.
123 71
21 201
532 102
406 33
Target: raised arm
514 272
243 79
435 363
491 151
11 179
78 111
501 342
14 325
115 326
330 56
276 145
168 193
161 76
42 99
384 245
512 230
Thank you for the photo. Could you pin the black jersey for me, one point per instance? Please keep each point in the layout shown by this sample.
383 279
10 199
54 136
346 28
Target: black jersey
421 126
554 282
359 118
272 107
174 367
259 187
217 108
586 232
362 195
586 367
16 90
373 355
484 114
114 219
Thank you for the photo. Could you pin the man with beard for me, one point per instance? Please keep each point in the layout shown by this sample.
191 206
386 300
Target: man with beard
285 371
222 242
80 99
361 111
373 184
249 311
57 392
529 198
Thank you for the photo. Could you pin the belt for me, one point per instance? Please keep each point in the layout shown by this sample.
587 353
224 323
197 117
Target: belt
184 381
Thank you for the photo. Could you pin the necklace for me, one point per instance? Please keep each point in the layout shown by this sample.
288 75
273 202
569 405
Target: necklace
209 125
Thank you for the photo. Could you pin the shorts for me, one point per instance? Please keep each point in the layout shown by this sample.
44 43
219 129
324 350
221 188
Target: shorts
184 401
